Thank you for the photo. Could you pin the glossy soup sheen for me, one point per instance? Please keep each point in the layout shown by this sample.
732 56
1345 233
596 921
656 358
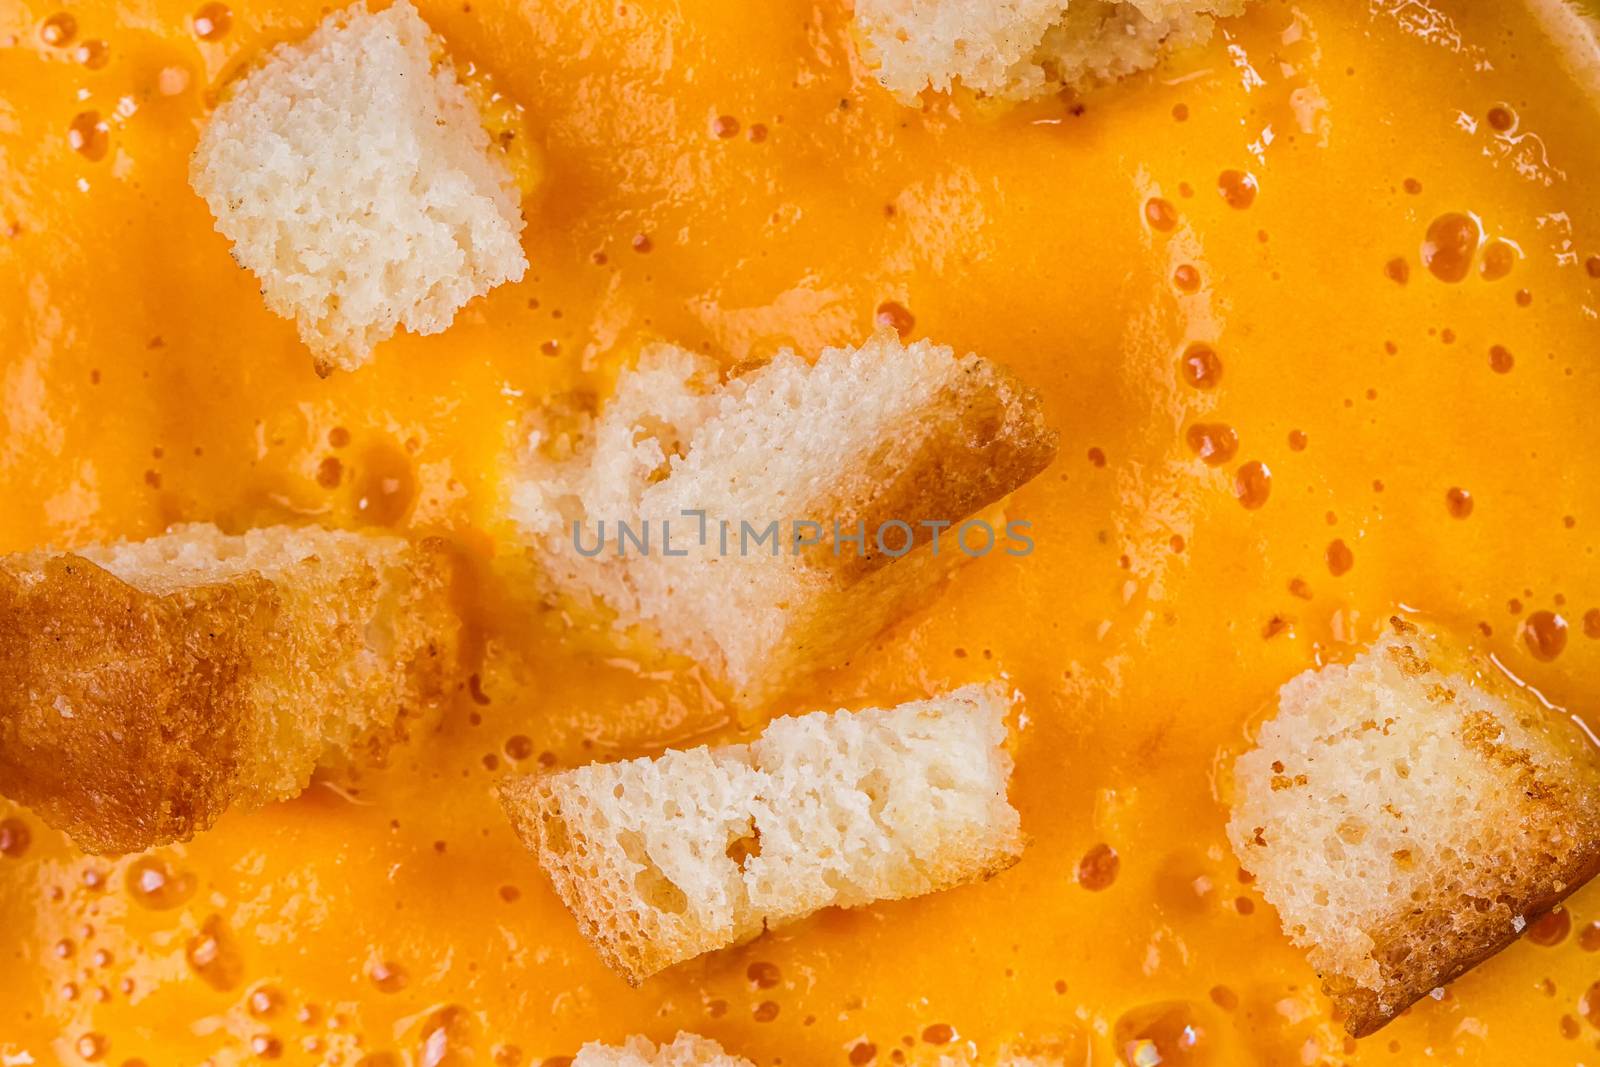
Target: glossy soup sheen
1231 257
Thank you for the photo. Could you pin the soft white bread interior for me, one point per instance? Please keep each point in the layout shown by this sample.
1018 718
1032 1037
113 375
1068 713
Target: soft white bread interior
664 859
355 179
1023 48
686 1050
1407 813
863 437
146 687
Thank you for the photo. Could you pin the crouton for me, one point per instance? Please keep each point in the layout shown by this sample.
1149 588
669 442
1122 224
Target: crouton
1408 813
146 687
686 1050
1018 49
354 177
871 446
664 859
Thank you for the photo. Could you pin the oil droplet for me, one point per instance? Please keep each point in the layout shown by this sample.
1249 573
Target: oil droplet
1397 270
1412 186
14 838
1551 928
1458 502
1591 629
939 1034
1186 278
725 126
1498 259
1546 634
211 22
266 1046
447 1038
387 976
1592 265
58 30
330 472
863 1053
1160 214
89 136
1523 298
154 884
896 317
642 243
1214 442
1202 367
93 54
1450 243
1500 359
1237 188
765 1012
1252 484
172 80
1166 1033
1098 867
264 1002
519 747
763 975
385 487
1589 1004
1297 440
91 1046
1589 937
214 956
1340 558
1501 119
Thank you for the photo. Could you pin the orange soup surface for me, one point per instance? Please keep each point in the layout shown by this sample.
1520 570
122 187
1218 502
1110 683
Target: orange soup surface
1314 309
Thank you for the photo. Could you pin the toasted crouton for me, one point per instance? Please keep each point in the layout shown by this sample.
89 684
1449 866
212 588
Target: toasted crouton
870 446
686 1050
146 687
665 859
1407 814
1016 49
354 177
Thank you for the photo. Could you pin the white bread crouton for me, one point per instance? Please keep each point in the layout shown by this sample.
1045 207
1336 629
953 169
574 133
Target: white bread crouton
146 687
355 178
1016 49
686 1050
1407 814
664 859
863 437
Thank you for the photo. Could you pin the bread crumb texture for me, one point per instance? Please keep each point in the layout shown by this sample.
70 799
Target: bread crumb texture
146 687
664 859
1408 813
1016 49
686 1050
355 179
865 436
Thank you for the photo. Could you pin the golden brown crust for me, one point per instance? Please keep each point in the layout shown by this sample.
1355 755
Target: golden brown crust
982 438
130 719
1540 845
120 712
534 808
1424 950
